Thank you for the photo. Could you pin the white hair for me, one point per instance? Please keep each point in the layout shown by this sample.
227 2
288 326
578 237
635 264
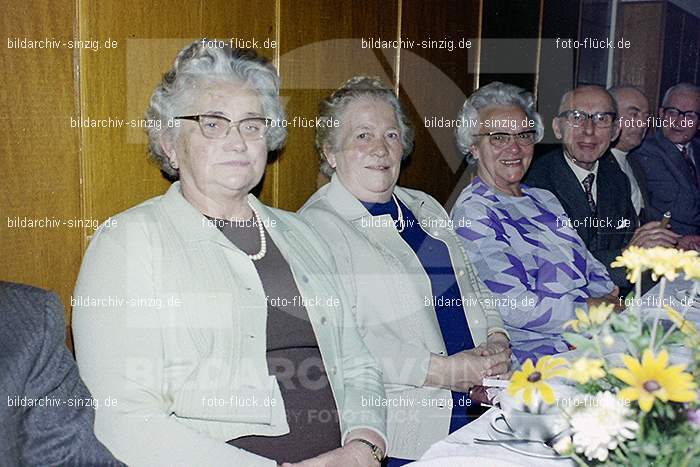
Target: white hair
333 108
494 94
680 87
199 63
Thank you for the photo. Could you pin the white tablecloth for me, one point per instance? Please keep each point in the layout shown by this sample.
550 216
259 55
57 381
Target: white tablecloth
651 302
458 449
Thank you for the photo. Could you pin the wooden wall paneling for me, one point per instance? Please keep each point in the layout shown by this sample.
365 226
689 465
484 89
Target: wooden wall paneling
642 25
38 149
672 45
557 65
696 78
510 32
689 49
436 76
512 51
594 25
115 84
321 47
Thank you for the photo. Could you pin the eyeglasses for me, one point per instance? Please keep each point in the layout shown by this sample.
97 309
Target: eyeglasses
500 140
578 118
218 127
675 113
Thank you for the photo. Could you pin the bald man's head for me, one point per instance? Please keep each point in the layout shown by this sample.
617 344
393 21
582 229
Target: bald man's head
681 98
587 124
633 107
565 102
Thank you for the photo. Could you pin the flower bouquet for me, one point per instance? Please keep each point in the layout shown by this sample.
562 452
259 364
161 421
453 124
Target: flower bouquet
637 408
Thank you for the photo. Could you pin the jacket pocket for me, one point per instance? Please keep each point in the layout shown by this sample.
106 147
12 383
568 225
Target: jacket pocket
260 404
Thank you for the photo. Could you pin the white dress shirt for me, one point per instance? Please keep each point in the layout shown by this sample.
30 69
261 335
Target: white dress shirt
621 158
582 173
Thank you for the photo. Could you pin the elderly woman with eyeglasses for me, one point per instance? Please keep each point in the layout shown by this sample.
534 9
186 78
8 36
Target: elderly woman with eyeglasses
522 245
422 311
214 324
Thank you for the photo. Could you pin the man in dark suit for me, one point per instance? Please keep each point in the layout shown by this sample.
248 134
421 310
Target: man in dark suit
588 182
46 412
671 162
633 109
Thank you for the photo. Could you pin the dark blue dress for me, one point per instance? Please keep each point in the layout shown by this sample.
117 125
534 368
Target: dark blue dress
435 259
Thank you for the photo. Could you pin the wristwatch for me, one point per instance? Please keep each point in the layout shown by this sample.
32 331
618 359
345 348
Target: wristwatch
376 450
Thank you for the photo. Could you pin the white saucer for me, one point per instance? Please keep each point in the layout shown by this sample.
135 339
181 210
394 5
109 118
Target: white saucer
499 431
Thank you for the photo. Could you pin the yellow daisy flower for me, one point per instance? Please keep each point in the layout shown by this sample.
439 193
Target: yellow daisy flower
634 260
691 267
532 379
687 327
577 324
597 315
584 370
666 262
662 261
652 379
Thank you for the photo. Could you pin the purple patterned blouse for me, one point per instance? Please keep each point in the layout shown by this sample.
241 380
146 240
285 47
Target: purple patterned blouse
533 261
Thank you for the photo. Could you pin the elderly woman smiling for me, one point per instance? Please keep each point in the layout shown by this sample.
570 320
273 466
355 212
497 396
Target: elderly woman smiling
519 238
420 308
218 318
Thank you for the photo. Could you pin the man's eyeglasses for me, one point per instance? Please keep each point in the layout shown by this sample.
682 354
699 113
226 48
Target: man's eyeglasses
578 118
675 113
218 127
501 140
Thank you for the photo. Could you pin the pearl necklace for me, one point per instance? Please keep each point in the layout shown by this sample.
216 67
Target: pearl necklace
399 211
261 230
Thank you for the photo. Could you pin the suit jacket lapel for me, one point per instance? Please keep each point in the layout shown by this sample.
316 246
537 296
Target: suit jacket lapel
570 193
674 161
568 189
640 177
695 154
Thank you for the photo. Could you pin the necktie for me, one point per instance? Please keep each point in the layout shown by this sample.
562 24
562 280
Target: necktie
691 166
588 187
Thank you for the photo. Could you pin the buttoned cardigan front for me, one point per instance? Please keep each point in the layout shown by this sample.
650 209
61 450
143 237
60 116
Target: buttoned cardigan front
170 324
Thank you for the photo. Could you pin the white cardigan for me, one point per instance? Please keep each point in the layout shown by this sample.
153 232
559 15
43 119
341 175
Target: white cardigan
391 299
170 323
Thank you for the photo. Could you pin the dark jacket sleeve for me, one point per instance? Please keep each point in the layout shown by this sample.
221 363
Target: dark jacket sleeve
59 430
618 275
665 193
539 176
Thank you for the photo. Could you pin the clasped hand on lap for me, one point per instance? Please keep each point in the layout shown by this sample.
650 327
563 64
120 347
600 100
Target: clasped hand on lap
463 370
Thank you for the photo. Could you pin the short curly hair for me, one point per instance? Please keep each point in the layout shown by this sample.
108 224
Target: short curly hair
493 95
333 107
201 62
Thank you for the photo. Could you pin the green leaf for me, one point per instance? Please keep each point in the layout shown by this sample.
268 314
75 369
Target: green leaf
650 449
577 340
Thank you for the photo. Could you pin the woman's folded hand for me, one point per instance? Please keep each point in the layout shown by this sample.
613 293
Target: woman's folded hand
351 455
461 371
496 343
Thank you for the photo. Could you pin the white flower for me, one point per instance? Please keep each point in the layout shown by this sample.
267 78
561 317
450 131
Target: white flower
608 341
563 445
601 425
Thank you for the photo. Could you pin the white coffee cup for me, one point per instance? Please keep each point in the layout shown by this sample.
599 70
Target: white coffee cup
539 421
